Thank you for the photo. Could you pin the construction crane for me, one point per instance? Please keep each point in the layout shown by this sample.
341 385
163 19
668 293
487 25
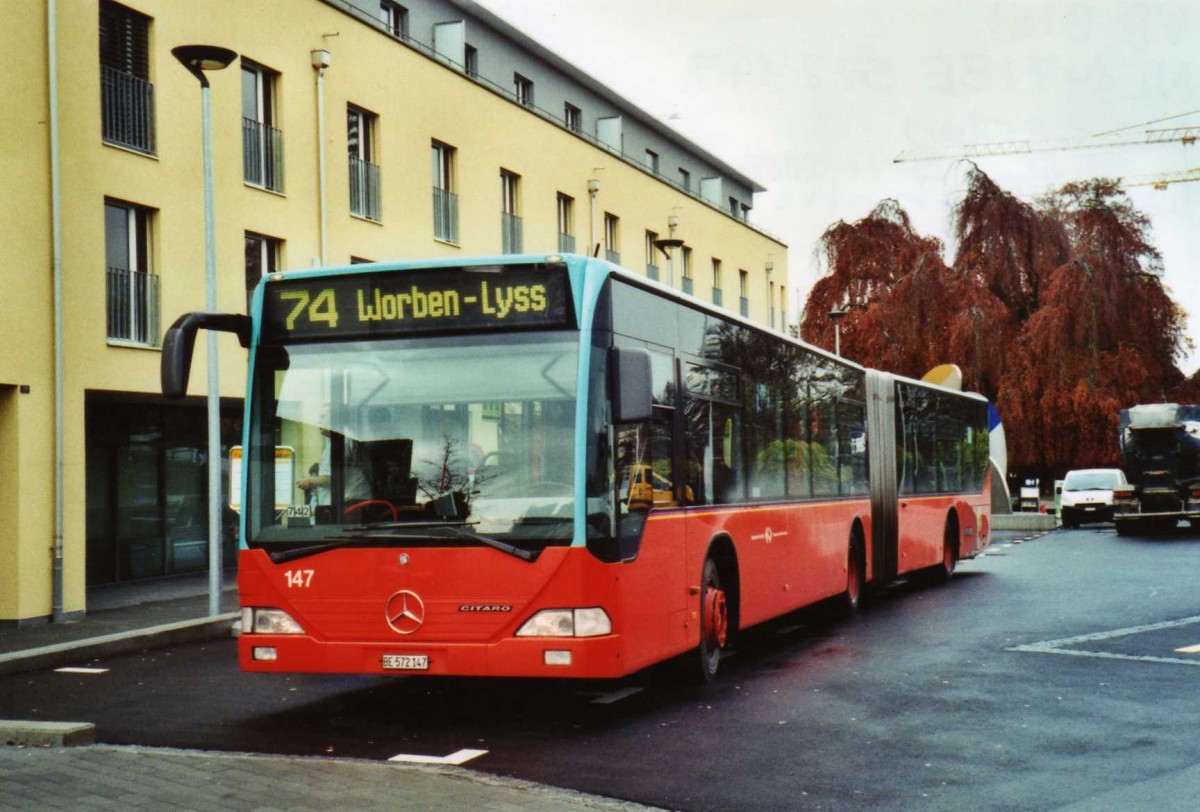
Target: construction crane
1170 135
1161 180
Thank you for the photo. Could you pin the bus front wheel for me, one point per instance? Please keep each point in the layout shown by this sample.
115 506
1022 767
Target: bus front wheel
714 620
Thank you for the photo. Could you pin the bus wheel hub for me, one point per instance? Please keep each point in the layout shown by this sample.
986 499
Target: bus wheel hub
716 617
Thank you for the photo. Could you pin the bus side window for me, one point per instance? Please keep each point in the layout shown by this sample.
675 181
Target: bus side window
643 466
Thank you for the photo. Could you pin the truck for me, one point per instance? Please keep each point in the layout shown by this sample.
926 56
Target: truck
1160 448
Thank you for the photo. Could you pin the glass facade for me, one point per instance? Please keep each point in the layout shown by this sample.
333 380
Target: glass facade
147 489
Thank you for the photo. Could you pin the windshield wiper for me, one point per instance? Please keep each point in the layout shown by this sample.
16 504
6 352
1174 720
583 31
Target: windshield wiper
371 533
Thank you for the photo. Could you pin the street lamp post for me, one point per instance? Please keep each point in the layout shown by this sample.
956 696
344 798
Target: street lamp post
198 59
836 316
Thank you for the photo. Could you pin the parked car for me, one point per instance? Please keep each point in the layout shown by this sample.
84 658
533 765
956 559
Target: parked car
1087 495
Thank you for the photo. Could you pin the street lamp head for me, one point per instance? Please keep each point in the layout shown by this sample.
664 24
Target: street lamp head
201 58
838 313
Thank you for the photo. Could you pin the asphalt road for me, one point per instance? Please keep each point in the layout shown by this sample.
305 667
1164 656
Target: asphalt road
1044 674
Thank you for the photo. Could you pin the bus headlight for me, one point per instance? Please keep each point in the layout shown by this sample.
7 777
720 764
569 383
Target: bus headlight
269 621
567 623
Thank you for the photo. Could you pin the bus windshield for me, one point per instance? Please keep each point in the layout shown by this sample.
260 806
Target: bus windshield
473 431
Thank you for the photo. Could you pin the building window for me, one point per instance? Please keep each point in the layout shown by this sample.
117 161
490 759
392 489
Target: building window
717 296
262 258
734 209
450 42
566 224
132 287
771 301
611 235
445 201
262 142
471 60
609 134
510 218
744 292
572 117
126 95
710 190
364 168
745 214
395 18
685 179
651 259
652 161
523 90
686 271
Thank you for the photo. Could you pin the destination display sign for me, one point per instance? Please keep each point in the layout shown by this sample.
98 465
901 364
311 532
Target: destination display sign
383 304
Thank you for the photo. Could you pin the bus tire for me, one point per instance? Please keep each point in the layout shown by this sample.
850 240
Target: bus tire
945 570
714 621
847 603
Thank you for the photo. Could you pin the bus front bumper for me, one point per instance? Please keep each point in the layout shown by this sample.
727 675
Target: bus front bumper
571 657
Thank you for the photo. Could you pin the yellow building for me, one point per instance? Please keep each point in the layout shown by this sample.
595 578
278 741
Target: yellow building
344 130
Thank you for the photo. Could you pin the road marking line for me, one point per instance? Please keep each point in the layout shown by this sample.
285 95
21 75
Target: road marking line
1188 650
617 696
80 670
460 757
1057 646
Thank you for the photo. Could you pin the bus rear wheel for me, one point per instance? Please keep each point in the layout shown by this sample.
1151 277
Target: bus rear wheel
848 601
945 570
714 621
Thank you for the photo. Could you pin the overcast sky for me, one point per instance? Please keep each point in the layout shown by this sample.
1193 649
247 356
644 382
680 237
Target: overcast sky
813 99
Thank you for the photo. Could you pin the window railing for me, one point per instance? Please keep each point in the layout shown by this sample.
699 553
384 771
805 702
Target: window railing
566 243
612 256
364 189
512 232
127 110
652 271
445 215
133 306
717 297
687 284
262 155
744 305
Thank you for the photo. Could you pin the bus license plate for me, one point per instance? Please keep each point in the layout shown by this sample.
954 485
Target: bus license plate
406 662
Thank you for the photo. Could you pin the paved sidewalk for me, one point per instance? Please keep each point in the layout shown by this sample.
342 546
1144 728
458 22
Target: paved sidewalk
101 777
121 619
150 615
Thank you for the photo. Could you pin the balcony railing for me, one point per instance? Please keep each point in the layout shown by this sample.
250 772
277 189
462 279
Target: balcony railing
133 306
364 189
512 233
445 215
612 256
262 155
566 243
127 110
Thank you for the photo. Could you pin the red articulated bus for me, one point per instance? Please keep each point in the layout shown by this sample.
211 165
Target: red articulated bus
547 466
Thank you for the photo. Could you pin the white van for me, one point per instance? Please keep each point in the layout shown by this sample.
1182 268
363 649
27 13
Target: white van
1087 495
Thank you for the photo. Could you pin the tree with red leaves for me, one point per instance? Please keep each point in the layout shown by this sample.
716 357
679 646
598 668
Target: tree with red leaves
1055 311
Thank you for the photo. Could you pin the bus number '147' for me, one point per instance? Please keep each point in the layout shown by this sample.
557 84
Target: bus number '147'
300 578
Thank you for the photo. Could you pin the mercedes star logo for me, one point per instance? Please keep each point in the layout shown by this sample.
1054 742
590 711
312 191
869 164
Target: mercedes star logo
404 612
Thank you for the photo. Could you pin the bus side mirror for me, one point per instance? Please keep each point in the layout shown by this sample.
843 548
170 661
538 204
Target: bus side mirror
180 342
632 390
